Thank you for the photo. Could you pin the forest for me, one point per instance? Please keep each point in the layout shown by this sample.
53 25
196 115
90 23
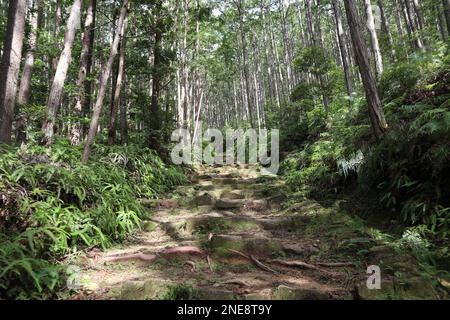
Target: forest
93 207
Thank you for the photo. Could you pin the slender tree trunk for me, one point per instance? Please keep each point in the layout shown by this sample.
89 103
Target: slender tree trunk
420 20
386 30
376 113
102 85
23 96
56 32
118 86
56 91
10 66
441 23
184 63
85 66
412 25
244 62
343 49
398 20
124 106
374 38
315 39
446 5
154 107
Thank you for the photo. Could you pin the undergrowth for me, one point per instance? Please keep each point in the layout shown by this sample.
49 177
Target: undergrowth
51 205
407 170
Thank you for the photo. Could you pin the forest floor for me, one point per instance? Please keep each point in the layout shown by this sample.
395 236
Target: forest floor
236 234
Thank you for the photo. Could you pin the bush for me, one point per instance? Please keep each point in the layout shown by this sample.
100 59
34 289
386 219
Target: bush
52 205
408 168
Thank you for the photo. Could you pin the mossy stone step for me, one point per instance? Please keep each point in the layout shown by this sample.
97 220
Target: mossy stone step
141 290
232 194
224 204
216 222
283 292
249 244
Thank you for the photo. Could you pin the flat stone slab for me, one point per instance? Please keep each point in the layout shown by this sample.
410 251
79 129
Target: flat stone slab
229 203
221 244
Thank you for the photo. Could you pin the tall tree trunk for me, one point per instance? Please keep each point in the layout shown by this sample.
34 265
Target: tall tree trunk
23 96
398 19
420 20
244 61
124 106
376 113
315 39
184 64
118 84
286 45
386 30
441 24
57 88
343 49
85 69
102 85
446 5
10 66
154 107
412 25
374 38
56 32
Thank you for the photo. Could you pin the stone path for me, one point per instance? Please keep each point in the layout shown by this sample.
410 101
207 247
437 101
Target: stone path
234 234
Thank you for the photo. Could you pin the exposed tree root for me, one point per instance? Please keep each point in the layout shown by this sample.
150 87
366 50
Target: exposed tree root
166 253
239 282
301 264
208 259
335 264
255 261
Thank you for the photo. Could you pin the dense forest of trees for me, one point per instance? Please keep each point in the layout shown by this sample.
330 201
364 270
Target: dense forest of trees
85 80
225 63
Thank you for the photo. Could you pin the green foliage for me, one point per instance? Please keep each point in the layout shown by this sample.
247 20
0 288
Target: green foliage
313 59
54 205
180 292
398 80
408 168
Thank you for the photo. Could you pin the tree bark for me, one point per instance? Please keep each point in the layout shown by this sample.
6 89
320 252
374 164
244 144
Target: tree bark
118 86
374 38
343 49
124 106
376 113
10 66
23 96
412 25
57 88
442 24
244 62
386 30
446 5
315 39
56 32
156 84
85 69
102 85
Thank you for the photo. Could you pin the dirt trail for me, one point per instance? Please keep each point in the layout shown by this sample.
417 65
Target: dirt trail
235 234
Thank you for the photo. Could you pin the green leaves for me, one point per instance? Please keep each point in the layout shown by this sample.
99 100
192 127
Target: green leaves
68 206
